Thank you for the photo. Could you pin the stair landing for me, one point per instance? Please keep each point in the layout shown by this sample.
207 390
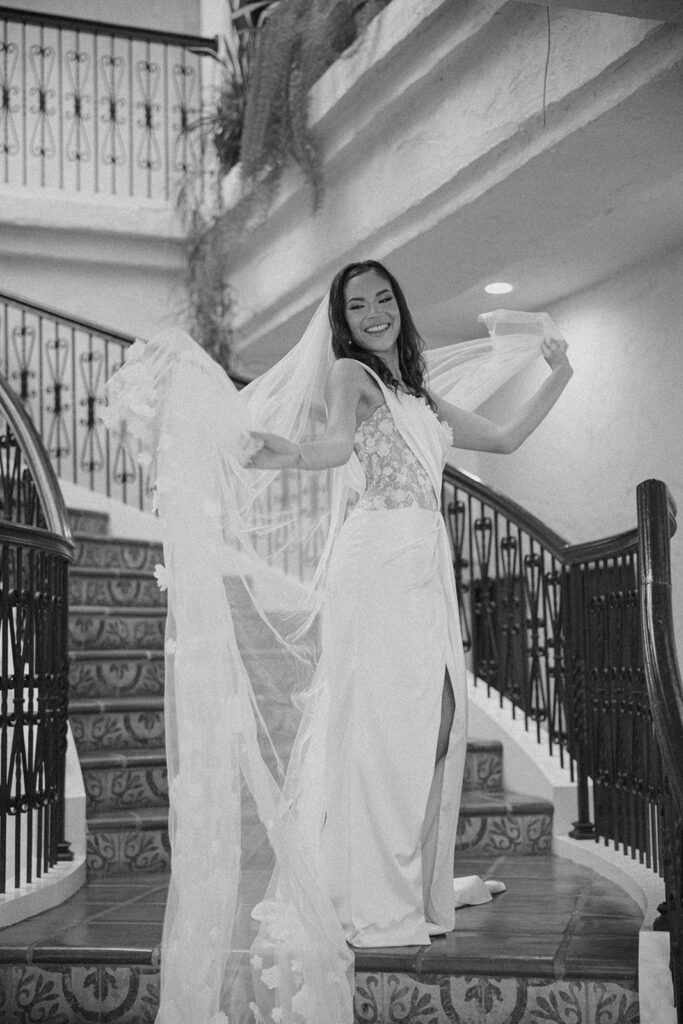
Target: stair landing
561 945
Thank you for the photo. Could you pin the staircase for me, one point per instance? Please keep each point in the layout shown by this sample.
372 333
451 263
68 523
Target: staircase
561 945
117 619
116 714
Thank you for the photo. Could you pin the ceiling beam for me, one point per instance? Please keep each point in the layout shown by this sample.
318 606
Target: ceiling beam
655 10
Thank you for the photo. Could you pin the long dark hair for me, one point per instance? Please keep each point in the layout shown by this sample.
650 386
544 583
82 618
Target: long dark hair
410 344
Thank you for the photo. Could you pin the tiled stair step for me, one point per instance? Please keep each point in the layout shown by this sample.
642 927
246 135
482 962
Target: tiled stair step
505 823
106 628
129 723
115 780
123 723
560 947
116 553
119 587
123 841
490 825
110 673
86 521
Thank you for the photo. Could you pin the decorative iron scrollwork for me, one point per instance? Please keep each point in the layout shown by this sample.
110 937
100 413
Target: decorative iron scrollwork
88 108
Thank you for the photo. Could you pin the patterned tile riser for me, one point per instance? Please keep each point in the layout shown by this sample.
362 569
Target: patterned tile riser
110 789
116 994
127 851
79 994
126 730
96 631
141 592
497 834
483 771
122 555
451 999
132 677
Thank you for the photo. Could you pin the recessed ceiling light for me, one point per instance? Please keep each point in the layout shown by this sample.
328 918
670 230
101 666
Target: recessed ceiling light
498 288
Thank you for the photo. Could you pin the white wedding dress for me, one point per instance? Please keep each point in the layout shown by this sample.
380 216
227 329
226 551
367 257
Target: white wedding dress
390 630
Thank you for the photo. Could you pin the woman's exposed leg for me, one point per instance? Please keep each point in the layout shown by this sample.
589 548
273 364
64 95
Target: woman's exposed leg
447 713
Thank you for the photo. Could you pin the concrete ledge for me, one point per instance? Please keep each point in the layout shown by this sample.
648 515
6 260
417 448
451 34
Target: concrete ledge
61 211
65 879
124 520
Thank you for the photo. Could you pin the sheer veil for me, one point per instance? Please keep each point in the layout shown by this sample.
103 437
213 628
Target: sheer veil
250 933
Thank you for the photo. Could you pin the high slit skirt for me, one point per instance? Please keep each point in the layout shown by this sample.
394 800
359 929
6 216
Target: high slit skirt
390 632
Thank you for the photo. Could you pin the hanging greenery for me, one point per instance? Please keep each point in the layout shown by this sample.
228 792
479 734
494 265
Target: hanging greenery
298 42
261 121
207 293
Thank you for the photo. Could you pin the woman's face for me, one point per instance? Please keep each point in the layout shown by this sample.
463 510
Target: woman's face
372 312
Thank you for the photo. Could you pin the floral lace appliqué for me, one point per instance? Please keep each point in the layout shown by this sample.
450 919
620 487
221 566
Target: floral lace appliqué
394 476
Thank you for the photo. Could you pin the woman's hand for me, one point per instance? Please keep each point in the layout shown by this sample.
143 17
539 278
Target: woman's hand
555 354
274 452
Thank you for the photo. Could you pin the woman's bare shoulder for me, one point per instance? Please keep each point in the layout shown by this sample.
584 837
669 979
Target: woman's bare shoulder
349 375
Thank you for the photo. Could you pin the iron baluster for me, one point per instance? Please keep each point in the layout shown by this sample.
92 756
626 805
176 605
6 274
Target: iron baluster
42 145
95 119
78 147
22 359
74 404
24 107
57 442
10 145
113 149
60 107
92 455
148 152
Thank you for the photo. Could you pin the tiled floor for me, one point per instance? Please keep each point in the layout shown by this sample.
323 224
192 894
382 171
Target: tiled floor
560 928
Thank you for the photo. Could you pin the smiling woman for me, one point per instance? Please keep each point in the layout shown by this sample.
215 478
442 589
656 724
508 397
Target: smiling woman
393 669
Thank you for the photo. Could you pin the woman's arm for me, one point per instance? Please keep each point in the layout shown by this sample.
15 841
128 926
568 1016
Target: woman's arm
334 448
480 434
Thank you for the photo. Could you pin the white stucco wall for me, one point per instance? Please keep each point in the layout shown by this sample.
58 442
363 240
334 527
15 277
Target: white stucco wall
619 422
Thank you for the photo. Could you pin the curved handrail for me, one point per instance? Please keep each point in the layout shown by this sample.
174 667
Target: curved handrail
557 546
44 477
66 319
656 524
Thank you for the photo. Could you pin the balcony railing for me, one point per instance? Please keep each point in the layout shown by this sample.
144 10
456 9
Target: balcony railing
35 551
96 108
58 366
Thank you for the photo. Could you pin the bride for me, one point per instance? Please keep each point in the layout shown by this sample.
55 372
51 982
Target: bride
392 653
274 878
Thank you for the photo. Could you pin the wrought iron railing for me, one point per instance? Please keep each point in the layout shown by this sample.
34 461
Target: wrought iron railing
656 521
35 551
580 639
58 365
93 107
554 628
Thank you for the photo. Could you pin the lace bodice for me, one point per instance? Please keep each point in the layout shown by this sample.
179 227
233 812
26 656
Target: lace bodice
395 478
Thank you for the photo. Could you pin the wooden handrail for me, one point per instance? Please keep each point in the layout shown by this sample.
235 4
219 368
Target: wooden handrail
38 463
557 546
656 524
